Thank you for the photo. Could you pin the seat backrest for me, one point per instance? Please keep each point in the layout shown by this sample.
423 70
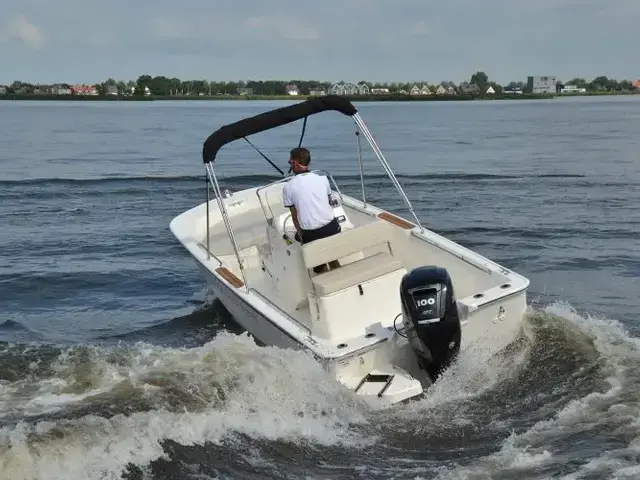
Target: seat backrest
346 243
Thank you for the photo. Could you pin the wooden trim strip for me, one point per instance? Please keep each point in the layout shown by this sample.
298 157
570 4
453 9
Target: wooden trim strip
229 277
397 221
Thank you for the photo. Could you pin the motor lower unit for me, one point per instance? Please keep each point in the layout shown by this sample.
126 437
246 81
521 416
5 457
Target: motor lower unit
430 317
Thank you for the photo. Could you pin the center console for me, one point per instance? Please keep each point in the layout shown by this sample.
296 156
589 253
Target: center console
286 228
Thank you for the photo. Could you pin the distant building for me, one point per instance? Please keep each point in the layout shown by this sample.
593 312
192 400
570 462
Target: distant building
469 88
635 84
349 88
244 91
317 92
60 90
111 90
541 84
84 90
147 92
512 90
572 89
379 91
292 89
490 90
3 89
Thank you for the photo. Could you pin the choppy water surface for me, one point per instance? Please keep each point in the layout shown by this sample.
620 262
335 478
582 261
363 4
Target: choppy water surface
115 360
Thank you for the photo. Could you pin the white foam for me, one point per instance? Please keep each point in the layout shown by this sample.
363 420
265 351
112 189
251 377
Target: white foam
229 386
234 386
474 372
618 404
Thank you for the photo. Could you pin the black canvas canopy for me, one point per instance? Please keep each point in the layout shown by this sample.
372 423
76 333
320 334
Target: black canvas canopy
272 119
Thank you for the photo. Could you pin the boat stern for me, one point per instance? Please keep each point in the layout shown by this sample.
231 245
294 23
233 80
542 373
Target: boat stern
391 384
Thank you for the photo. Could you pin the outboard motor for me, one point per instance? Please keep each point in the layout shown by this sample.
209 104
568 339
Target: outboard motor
430 317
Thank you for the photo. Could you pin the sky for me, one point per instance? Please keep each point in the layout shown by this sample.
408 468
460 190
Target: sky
88 41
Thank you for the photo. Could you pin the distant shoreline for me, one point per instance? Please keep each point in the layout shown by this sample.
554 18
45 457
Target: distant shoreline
353 98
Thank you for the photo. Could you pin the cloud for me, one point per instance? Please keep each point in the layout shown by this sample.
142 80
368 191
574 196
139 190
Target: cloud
21 30
419 28
335 39
283 26
171 28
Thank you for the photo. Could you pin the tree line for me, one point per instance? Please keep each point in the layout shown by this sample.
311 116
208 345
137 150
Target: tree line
166 86
602 83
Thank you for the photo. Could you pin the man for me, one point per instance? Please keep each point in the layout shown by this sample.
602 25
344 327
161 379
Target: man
307 195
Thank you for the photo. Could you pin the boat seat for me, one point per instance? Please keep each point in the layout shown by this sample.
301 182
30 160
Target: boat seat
375 234
372 240
355 273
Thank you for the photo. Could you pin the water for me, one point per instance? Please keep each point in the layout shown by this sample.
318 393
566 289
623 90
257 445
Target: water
115 360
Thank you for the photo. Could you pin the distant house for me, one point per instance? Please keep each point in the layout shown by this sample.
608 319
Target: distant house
441 90
572 89
469 88
147 92
90 90
41 90
490 90
635 84
541 84
379 91
415 90
512 90
363 89
318 92
292 89
425 90
244 91
451 90
3 89
111 90
60 90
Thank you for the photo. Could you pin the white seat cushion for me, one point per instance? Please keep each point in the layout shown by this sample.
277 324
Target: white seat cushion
347 242
354 273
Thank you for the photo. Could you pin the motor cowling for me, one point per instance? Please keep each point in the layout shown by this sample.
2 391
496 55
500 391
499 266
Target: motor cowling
430 317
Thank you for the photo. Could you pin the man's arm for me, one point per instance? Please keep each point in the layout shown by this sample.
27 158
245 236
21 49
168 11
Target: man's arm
294 217
326 181
288 202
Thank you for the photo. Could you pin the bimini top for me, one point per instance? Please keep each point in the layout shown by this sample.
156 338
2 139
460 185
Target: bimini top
272 119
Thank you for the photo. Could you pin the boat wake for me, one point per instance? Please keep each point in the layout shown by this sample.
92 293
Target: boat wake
229 407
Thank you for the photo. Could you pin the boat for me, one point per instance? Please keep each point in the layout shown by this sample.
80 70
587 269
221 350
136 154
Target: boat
397 311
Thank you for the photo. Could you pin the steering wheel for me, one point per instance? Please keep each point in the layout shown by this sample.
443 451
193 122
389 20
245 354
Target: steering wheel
284 226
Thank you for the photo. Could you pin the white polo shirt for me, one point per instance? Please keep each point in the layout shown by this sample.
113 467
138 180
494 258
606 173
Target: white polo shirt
309 193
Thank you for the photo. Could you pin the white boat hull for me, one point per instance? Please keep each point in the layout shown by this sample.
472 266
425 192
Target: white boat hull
261 327
489 325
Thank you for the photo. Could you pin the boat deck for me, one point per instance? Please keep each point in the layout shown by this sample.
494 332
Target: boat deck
248 229
477 281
